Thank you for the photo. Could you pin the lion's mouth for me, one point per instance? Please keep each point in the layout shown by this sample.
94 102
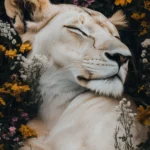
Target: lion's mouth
82 78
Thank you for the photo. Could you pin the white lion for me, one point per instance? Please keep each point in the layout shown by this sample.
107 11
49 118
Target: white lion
80 89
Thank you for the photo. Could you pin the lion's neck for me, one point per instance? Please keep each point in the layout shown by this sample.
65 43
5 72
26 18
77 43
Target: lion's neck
58 91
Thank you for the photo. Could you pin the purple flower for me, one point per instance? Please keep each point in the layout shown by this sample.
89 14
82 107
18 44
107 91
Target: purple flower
27 118
5 136
14 119
83 3
24 114
16 139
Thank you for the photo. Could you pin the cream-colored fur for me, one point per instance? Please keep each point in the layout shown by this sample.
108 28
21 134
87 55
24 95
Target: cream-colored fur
87 71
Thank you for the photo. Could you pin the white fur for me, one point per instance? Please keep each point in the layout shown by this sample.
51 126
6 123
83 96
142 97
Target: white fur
75 117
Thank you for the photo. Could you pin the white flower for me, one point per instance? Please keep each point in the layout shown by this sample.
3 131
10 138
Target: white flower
14 41
5 35
128 104
13 31
144 51
146 43
143 55
9 34
145 60
1 34
132 115
6 31
124 99
24 77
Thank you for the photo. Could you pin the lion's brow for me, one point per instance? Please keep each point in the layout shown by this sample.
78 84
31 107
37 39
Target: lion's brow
95 16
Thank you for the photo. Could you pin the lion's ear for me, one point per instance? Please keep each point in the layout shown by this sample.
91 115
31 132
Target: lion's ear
119 19
20 10
29 16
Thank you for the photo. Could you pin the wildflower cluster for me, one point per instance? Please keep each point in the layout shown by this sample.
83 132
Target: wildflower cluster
138 16
122 2
9 53
26 131
144 25
123 136
14 113
147 4
144 115
141 19
14 89
15 94
145 59
31 71
25 47
2 102
7 32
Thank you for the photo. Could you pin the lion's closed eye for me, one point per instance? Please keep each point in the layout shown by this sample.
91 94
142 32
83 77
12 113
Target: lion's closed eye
75 30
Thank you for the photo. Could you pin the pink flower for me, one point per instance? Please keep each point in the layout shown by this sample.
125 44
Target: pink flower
14 76
14 119
5 136
24 114
27 118
83 3
16 139
12 129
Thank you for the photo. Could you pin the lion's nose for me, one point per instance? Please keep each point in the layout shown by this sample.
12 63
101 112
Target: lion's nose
120 59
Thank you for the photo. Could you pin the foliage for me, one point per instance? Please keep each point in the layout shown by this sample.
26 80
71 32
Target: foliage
17 93
124 138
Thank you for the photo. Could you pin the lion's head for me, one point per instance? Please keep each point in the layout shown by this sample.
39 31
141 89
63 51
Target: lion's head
85 42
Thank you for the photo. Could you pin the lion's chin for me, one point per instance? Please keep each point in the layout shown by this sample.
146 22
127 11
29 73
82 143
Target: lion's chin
112 87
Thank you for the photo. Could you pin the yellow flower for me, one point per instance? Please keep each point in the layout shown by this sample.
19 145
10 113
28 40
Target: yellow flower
129 1
147 4
2 90
145 24
7 85
2 102
1 146
2 48
6 88
1 115
143 32
26 131
20 110
122 2
25 88
144 115
138 16
143 15
135 16
18 45
25 47
141 89
16 89
11 53
18 98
